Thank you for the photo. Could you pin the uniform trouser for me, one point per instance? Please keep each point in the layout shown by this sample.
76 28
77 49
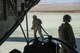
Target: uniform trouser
39 31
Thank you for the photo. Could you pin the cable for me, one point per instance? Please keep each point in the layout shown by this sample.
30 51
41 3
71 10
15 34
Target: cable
44 31
18 21
26 20
27 28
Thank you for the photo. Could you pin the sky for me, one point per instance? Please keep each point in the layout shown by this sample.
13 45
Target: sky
57 1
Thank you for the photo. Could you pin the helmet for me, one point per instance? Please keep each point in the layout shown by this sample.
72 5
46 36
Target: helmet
34 16
66 18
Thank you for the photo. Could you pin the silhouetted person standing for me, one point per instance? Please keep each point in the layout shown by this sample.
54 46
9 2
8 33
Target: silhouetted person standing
36 26
66 34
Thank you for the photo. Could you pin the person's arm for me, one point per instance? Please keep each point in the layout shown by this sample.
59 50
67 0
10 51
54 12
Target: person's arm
73 38
32 25
60 31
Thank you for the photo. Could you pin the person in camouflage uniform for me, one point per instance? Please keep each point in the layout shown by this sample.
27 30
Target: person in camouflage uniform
66 34
36 26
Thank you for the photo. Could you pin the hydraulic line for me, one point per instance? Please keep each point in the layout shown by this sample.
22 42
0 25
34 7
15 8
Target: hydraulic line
44 31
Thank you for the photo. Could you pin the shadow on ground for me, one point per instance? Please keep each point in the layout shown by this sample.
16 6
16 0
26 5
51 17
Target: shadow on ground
18 39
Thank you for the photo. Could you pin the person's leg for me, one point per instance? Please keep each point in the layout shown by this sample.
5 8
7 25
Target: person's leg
70 50
35 32
40 32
